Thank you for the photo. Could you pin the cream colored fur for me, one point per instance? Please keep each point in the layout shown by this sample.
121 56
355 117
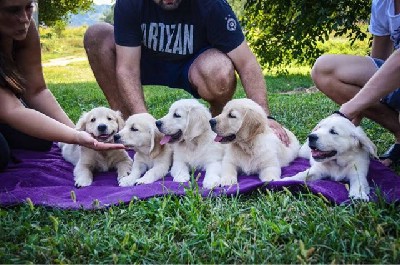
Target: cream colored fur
253 147
187 129
102 123
341 151
151 158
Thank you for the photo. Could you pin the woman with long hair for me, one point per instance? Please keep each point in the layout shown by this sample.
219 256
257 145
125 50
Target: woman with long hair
30 116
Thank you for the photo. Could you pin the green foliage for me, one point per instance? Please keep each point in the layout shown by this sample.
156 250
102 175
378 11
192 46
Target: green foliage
51 11
59 27
108 15
237 7
283 31
71 43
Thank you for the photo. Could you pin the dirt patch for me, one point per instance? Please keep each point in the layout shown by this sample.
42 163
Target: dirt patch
64 61
299 90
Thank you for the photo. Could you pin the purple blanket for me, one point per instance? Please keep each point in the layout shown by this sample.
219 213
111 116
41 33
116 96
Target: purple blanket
46 179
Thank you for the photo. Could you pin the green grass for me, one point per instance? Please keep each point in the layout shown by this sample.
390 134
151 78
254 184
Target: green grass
262 227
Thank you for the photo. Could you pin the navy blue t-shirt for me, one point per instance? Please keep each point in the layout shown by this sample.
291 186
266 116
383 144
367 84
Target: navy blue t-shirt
176 34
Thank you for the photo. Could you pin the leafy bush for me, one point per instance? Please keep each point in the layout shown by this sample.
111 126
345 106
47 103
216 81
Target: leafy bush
283 31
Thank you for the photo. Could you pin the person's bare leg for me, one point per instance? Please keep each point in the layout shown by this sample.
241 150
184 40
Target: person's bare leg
213 75
100 49
340 77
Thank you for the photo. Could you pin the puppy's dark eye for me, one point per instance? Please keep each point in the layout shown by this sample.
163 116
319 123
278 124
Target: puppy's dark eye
109 118
176 115
230 115
332 131
133 129
93 120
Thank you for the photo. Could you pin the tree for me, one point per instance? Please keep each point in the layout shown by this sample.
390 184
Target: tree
108 16
284 31
51 11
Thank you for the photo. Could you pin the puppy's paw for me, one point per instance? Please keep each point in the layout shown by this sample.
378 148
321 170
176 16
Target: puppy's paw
127 181
83 181
270 174
124 171
182 178
269 179
228 181
211 182
146 179
123 175
363 196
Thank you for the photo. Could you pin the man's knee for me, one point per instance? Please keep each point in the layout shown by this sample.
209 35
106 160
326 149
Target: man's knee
217 73
225 80
98 36
322 71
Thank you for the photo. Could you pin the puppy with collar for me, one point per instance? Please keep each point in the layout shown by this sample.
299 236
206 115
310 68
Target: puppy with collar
338 150
151 158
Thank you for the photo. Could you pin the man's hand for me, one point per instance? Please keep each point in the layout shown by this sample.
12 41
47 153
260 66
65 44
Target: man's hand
85 139
279 131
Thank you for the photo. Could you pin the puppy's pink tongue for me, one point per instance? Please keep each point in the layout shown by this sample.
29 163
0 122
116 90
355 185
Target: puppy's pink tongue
218 138
317 153
165 139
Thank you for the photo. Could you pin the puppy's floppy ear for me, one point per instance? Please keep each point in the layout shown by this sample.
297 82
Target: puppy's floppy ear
253 124
81 124
197 122
365 142
155 146
120 120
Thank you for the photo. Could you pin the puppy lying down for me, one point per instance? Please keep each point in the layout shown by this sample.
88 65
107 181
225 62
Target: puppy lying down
186 128
102 123
338 150
141 134
253 146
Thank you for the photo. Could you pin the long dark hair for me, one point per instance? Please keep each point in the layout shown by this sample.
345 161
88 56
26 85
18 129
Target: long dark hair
9 76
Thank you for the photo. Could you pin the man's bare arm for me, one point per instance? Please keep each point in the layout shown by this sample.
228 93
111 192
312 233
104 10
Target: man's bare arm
128 78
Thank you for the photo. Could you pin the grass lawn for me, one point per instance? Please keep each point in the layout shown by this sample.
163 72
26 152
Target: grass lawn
263 227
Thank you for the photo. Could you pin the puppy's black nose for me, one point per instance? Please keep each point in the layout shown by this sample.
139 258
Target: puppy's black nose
117 137
213 123
102 127
159 124
312 139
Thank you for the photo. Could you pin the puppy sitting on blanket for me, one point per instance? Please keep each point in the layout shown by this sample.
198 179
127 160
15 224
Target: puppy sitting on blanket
187 129
102 123
253 146
338 150
141 134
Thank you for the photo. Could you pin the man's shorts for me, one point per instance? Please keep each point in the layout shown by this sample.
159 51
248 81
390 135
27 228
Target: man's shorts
392 100
174 74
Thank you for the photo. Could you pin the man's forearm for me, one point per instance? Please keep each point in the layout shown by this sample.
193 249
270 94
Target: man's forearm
132 93
254 85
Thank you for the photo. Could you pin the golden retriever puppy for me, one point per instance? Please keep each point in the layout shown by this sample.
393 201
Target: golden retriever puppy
141 134
338 150
187 129
102 123
253 146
